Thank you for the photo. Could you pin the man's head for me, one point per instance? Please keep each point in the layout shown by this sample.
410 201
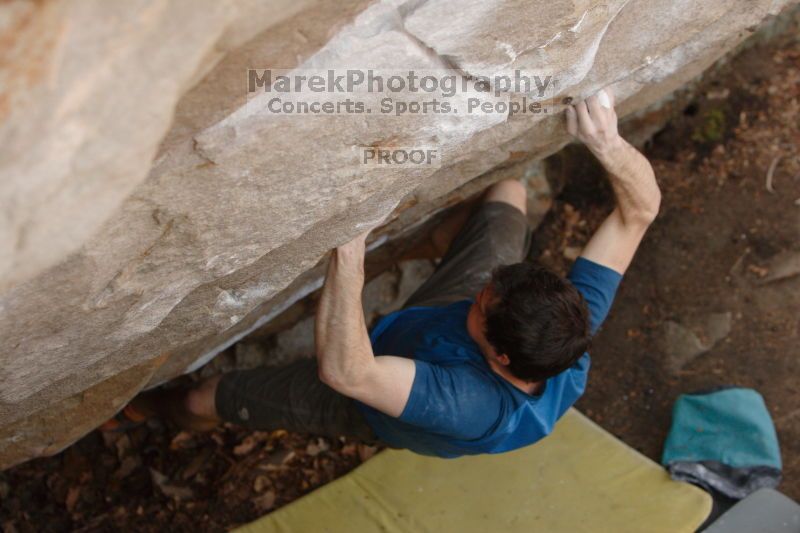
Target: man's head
531 321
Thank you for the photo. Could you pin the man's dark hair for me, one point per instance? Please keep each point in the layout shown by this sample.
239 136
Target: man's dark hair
538 319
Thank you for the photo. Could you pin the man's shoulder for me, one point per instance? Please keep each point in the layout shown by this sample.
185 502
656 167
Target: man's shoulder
423 315
586 270
598 285
458 399
478 396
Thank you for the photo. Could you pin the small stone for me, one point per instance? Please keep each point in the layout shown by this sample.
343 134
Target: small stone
681 345
265 502
261 483
782 266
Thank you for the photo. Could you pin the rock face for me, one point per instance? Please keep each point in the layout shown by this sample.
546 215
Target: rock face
153 214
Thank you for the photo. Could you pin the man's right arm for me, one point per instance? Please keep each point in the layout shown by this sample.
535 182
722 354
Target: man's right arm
637 194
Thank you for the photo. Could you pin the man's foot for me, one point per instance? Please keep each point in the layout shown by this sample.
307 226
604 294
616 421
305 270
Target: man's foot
166 404
125 420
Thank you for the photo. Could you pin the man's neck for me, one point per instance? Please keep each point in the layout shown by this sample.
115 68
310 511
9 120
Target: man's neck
528 387
474 331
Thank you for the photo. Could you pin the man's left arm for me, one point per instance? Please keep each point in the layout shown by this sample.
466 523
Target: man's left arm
613 245
344 352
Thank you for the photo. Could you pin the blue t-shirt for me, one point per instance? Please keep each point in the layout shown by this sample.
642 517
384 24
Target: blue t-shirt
458 405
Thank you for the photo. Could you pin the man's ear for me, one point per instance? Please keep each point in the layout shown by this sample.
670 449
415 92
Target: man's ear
503 360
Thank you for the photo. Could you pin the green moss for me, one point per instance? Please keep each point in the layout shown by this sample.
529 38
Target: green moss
712 127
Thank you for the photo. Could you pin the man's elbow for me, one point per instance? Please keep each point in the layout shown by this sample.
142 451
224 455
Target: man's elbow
653 204
649 212
645 212
329 377
341 381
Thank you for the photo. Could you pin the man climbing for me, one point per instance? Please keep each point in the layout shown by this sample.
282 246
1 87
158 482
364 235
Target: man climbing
484 357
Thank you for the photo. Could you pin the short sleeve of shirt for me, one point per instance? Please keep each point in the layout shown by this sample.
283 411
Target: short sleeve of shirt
451 400
598 285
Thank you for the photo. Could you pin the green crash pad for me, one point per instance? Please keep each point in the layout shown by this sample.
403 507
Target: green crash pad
580 478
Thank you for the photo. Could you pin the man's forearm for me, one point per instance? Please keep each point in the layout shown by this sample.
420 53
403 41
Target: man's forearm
342 342
347 363
633 180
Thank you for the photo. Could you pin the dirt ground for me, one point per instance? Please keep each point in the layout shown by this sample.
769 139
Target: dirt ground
727 241
725 249
726 246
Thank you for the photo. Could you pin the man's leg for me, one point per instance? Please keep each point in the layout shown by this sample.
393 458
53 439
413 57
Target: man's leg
290 397
511 192
497 233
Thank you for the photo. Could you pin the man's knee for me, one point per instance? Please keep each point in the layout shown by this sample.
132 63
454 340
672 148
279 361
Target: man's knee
508 191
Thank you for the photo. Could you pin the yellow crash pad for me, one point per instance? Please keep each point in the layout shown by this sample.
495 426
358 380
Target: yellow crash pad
580 478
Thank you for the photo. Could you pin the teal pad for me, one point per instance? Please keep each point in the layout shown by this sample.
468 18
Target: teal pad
723 441
731 426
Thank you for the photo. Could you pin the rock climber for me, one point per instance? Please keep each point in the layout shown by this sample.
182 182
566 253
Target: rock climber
484 357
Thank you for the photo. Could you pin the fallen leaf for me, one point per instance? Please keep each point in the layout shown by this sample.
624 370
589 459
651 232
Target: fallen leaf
634 333
261 483
246 446
758 271
181 441
73 495
218 439
315 448
365 452
348 449
197 464
279 457
261 436
288 458
110 437
123 444
128 465
172 491
278 434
